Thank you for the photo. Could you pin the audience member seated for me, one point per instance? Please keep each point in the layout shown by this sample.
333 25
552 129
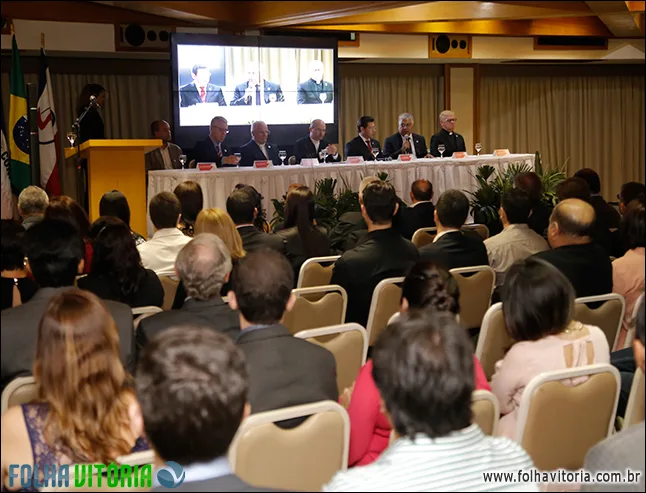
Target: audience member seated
422 212
283 370
426 286
32 203
423 370
87 411
382 253
54 251
452 248
17 286
241 206
117 273
202 266
607 216
538 305
584 262
260 220
115 204
351 227
280 225
302 239
516 241
624 450
67 209
192 385
191 202
628 271
539 219
630 191
159 253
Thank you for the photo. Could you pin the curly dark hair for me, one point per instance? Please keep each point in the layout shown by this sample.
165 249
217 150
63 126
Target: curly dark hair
261 219
430 286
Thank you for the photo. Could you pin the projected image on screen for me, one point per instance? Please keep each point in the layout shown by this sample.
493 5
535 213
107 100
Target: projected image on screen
244 84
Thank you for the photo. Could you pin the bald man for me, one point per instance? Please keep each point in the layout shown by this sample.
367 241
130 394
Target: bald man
453 142
258 149
421 213
309 147
256 90
584 262
315 90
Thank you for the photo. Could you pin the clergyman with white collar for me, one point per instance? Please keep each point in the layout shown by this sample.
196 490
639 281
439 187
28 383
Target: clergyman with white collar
453 142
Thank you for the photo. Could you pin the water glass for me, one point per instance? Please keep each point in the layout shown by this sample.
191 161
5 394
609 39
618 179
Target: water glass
323 154
478 148
71 136
238 155
182 160
282 155
441 148
375 151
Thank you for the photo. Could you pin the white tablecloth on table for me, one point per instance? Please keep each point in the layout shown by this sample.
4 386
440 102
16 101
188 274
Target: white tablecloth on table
272 183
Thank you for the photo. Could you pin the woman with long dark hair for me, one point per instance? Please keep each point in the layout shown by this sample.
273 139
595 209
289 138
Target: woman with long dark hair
91 126
191 200
115 204
17 286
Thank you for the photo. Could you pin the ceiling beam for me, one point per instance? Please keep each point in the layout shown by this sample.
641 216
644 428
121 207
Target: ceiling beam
621 23
636 6
206 13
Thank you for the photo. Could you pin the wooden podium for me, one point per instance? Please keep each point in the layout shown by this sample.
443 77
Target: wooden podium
117 165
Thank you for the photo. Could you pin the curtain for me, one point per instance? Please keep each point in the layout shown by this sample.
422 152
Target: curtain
596 120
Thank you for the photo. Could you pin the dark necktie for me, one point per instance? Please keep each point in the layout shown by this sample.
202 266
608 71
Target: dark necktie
257 95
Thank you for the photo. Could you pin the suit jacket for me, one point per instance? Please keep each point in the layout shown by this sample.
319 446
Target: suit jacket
309 92
295 249
539 219
347 232
607 216
204 152
91 127
251 152
452 143
214 314
358 147
393 145
304 148
454 250
189 95
587 267
380 255
155 161
253 239
414 218
149 292
270 88
20 331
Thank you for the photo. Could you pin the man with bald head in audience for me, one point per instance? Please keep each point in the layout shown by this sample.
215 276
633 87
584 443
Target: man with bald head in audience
310 146
584 262
420 214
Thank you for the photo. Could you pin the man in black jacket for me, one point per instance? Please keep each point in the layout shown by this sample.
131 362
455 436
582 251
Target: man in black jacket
453 142
363 143
258 149
241 207
310 146
213 149
607 216
257 90
405 141
315 90
201 90
422 213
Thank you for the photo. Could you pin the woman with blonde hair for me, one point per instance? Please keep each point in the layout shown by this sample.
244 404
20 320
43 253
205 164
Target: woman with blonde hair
86 410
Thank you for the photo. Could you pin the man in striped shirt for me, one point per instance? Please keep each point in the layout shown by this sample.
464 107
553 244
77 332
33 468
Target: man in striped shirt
423 368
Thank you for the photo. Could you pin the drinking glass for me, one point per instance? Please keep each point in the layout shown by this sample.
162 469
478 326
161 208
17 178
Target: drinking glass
322 97
323 154
282 155
182 159
71 136
375 151
478 148
237 154
428 152
441 148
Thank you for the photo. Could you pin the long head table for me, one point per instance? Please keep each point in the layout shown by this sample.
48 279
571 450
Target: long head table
217 184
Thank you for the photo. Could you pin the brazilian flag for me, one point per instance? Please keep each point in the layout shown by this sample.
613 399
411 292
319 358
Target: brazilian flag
18 128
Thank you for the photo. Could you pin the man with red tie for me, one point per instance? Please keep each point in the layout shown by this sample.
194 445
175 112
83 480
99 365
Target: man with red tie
363 143
213 149
200 90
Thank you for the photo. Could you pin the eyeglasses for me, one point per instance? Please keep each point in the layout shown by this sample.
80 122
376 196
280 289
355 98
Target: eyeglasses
452 120
222 129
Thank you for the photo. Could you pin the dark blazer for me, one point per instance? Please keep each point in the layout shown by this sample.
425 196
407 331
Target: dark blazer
414 218
149 292
454 250
587 267
453 142
230 482
358 147
607 216
270 88
345 235
154 160
309 92
189 95
539 219
304 148
91 127
380 255
295 249
204 152
20 331
393 145
27 288
214 314
253 239
250 152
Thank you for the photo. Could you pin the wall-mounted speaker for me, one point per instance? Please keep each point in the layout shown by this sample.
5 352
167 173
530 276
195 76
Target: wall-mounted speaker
449 46
135 37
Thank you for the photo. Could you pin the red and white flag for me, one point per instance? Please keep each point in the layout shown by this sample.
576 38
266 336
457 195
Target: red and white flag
47 131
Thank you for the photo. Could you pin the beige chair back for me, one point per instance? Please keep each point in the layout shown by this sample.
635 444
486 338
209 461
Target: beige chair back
635 407
170 288
423 237
349 345
328 309
20 390
558 423
299 459
313 273
481 229
475 293
493 340
633 319
485 411
607 317
142 312
386 300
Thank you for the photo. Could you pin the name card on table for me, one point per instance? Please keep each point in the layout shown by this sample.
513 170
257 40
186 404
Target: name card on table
405 157
205 166
459 155
309 161
262 164
354 159
501 152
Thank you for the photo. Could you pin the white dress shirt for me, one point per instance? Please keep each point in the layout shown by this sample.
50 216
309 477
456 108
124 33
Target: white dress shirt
159 253
263 148
165 154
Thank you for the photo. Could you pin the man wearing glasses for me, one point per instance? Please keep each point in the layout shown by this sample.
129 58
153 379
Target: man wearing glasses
453 142
213 149
405 141
258 149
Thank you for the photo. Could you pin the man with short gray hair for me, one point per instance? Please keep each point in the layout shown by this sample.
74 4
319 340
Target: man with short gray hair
405 141
213 149
258 149
32 203
204 266
452 141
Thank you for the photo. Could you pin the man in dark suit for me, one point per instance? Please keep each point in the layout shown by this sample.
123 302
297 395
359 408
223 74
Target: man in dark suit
192 387
200 90
241 207
258 149
314 143
213 149
54 250
167 156
315 90
451 248
283 370
453 142
584 262
257 90
382 253
607 216
405 141
351 227
363 143
422 212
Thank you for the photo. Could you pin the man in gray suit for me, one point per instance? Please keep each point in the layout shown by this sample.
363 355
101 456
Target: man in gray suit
625 450
167 156
192 388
